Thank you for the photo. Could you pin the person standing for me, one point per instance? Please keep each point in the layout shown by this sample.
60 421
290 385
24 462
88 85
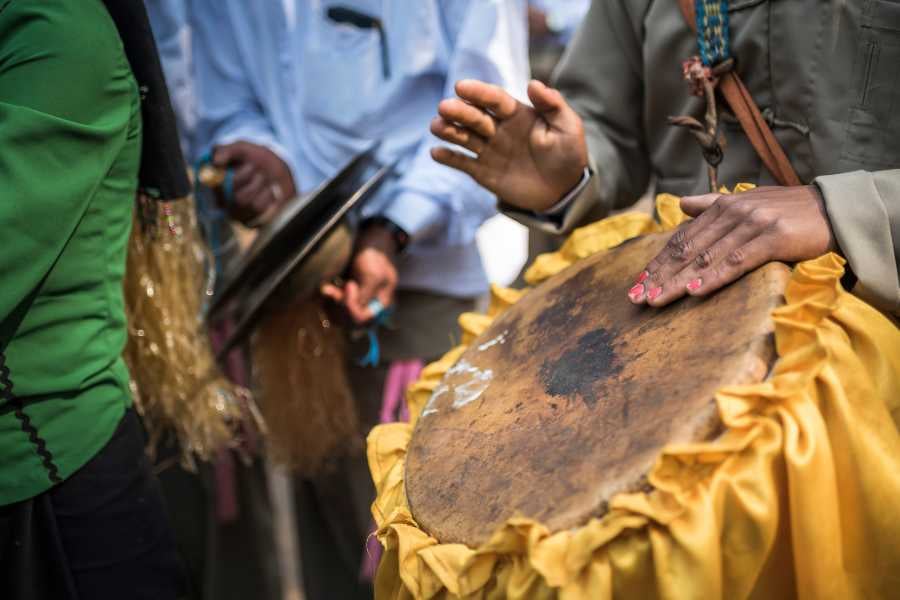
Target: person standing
823 78
298 89
81 514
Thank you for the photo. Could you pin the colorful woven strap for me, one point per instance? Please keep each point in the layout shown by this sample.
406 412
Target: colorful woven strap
736 94
712 31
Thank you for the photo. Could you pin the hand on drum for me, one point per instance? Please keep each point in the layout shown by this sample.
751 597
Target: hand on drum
373 275
262 182
529 157
731 235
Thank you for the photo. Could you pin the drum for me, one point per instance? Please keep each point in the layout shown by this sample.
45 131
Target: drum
569 396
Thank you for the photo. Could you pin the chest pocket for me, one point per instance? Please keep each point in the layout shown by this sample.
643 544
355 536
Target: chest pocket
873 123
342 70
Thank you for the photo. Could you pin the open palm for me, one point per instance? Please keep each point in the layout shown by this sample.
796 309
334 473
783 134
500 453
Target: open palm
528 156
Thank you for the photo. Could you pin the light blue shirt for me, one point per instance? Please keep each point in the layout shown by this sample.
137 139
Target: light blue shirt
170 23
563 16
280 73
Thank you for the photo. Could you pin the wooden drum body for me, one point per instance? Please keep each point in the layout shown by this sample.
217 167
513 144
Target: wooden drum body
569 397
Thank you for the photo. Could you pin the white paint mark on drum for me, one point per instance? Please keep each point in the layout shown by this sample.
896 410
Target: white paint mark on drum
475 382
500 339
470 390
431 405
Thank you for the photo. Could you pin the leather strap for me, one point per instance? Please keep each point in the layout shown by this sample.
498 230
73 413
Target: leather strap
748 115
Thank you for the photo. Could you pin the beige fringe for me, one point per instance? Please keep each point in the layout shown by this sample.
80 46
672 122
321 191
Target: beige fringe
177 386
304 394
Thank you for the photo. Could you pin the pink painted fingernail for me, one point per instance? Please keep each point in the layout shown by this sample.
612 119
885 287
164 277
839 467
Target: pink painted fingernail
694 284
643 277
636 291
654 293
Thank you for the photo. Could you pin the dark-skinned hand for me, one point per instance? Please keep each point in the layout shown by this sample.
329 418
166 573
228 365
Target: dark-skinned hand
373 275
731 235
529 157
262 182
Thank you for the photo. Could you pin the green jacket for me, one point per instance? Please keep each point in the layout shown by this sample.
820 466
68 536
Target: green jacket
70 135
826 74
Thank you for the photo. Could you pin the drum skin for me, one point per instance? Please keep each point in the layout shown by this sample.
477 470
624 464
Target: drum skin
568 398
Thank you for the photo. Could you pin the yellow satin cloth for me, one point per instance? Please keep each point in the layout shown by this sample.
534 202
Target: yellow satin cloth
800 498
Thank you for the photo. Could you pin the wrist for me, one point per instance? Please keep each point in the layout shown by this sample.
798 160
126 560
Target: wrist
384 235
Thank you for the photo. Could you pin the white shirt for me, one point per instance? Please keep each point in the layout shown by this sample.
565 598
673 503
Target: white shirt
281 73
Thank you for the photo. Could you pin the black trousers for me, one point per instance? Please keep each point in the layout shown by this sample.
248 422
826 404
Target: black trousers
101 534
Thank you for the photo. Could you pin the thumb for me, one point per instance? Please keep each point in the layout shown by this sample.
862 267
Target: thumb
694 205
545 99
329 290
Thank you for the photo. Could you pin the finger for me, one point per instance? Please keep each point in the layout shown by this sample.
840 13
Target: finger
694 205
368 289
691 277
359 311
488 97
244 174
457 135
683 246
329 290
246 194
385 293
736 263
225 155
544 98
468 116
457 160
264 208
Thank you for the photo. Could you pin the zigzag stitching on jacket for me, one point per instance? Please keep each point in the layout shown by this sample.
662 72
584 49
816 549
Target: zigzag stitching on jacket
6 393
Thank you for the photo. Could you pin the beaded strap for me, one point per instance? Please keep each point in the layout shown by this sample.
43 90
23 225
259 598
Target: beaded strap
712 31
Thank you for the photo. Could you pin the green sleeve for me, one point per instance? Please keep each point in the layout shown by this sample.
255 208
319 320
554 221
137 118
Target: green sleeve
62 123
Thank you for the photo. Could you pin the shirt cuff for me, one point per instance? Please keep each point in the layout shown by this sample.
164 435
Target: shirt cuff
557 210
417 215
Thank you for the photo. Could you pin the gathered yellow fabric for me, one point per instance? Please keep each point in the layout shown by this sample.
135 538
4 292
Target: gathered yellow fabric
799 498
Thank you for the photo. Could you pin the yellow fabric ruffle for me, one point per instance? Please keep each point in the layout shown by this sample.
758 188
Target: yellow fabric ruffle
800 498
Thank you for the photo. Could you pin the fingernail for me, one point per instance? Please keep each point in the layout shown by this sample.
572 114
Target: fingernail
636 291
643 277
654 293
694 284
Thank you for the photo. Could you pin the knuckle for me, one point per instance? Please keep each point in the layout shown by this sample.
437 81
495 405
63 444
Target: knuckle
736 257
704 259
739 208
679 245
777 227
760 218
721 204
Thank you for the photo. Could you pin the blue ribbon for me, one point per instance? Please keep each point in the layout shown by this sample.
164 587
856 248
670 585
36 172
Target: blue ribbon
209 215
382 317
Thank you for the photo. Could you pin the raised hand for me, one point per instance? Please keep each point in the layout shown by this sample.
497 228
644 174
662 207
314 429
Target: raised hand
731 235
529 157
373 275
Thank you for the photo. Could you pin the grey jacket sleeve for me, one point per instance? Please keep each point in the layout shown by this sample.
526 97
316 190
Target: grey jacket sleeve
601 76
864 210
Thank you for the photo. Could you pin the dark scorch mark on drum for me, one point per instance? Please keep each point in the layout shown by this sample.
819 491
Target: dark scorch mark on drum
592 359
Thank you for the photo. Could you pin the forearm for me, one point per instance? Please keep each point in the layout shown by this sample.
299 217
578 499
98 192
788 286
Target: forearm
601 78
864 210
